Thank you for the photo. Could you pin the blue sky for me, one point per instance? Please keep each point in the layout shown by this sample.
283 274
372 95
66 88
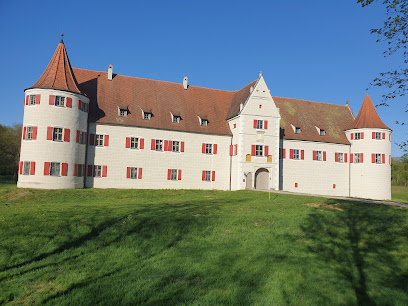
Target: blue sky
313 50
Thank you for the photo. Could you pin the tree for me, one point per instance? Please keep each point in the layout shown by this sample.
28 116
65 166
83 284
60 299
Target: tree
10 141
394 33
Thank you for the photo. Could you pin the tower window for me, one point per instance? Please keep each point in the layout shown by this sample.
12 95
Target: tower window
357 136
55 169
32 100
378 135
322 132
259 150
57 134
123 112
176 119
98 140
147 115
59 101
97 171
204 122
297 130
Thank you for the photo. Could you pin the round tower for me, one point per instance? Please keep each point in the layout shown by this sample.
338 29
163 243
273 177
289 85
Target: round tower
370 154
53 145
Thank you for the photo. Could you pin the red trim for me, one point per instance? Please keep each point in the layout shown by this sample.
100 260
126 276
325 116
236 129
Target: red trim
179 175
373 135
104 171
372 158
139 173
383 158
24 132
51 100
47 168
389 136
90 170
83 170
66 135
283 153
166 145
141 145
127 142
49 132
32 168
168 174
302 154
334 186
153 145
266 124
231 150
128 172
75 169
296 185
203 148
79 104
77 136
203 176
324 155
345 157
21 167
351 158
182 147
64 169
361 157
255 123
106 141
291 154
215 148
26 101
253 150
170 145
69 102
213 176
336 157
314 155
352 136
362 135
37 99
92 139
383 135
266 150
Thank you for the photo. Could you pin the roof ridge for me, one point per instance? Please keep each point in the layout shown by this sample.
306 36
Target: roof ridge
310 101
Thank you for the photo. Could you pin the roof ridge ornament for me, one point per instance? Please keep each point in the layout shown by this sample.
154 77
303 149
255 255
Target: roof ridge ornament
260 73
62 38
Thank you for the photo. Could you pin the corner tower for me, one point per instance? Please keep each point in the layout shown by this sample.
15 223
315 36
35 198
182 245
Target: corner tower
370 154
54 132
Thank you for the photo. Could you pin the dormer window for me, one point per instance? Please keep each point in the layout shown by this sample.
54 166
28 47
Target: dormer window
147 115
322 133
176 119
204 122
297 130
32 100
123 112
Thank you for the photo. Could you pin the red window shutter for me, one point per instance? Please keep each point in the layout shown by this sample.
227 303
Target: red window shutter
213 176
361 157
314 155
215 148
49 133
283 153
352 136
26 101
69 102
203 176
203 148
345 157
127 142
383 135
373 158
92 139
336 157
266 124
21 167
52 100
334 186
324 155
168 174
255 123
128 172
179 175
302 154
139 174
141 145
266 150
153 145
296 185
383 158
182 146
351 158
83 169
291 154
24 132
253 150
231 150
37 99
77 136
32 168
389 136
90 170
104 171
47 168
75 169
362 135
373 135
166 145
170 145
106 142
64 168
34 133
86 137
79 104
66 135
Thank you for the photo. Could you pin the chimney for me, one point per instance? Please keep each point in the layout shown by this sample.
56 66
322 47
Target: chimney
110 72
185 85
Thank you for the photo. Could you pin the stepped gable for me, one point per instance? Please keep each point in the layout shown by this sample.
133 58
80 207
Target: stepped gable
308 115
239 98
58 74
158 97
367 117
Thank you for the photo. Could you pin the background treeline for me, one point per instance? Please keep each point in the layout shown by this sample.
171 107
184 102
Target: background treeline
399 170
10 140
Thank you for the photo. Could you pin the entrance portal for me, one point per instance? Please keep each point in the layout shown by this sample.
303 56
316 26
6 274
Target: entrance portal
261 179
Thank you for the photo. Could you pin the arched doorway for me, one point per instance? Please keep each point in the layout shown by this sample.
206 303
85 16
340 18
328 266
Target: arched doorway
261 179
248 181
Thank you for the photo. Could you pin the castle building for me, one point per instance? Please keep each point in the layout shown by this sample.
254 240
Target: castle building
85 128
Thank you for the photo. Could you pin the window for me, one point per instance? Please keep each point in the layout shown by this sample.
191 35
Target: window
147 115
55 169
99 140
208 148
134 143
357 136
123 112
297 130
133 173
82 137
322 132
59 101
378 136
159 145
378 157
259 150
173 175
204 122
32 100
296 154
26 168
259 124
97 171
84 106
207 176
29 135
340 157
176 146
57 134
176 119
318 155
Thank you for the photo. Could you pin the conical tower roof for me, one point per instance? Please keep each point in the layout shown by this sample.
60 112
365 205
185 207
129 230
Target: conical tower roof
367 117
58 74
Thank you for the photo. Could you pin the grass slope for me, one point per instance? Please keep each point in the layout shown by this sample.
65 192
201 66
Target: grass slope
198 248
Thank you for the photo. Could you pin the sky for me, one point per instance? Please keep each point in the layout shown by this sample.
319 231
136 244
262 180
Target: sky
314 50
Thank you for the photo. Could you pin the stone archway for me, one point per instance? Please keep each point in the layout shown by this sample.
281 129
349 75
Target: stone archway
261 179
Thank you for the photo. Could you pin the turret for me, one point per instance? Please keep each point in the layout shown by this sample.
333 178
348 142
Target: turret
54 132
370 154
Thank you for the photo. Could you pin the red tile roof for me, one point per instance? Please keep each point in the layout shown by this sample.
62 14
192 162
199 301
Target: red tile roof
367 117
58 74
308 115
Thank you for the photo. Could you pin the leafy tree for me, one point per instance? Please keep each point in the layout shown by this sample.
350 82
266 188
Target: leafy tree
399 170
10 141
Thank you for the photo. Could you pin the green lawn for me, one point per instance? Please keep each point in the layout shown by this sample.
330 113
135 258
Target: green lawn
199 248
399 193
